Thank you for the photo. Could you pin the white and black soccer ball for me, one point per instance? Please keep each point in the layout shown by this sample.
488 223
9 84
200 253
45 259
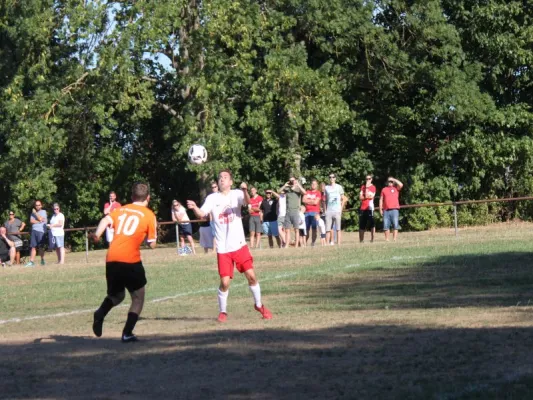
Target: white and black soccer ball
197 154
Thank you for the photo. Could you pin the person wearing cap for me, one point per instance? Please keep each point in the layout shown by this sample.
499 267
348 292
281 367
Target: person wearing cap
335 202
389 207
14 226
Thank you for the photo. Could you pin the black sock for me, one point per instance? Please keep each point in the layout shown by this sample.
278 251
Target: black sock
104 309
130 324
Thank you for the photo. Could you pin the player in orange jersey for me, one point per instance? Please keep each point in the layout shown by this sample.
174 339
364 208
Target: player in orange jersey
124 269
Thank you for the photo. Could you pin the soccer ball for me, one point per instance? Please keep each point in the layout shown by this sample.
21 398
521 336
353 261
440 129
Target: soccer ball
197 154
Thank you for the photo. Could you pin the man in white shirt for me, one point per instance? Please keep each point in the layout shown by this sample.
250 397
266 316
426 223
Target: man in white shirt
224 208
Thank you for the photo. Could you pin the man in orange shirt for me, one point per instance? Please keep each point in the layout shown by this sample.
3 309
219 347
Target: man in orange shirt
124 269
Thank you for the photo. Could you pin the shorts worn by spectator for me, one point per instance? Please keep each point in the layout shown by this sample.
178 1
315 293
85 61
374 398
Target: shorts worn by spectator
389 207
7 248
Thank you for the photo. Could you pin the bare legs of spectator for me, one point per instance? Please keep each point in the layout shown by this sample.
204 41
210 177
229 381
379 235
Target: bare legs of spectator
17 257
255 238
33 253
60 251
191 242
271 241
362 235
394 235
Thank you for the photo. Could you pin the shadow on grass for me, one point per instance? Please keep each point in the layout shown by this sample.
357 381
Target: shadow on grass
344 362
495 280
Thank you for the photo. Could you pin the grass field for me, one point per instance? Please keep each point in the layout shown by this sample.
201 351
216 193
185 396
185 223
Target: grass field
429 317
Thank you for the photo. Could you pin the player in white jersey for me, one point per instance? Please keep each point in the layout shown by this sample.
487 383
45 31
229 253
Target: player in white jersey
224 208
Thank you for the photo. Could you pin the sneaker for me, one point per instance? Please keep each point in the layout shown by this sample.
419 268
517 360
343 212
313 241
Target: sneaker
42 262
265 312
331 244
30 264
222 317
129 338
97 325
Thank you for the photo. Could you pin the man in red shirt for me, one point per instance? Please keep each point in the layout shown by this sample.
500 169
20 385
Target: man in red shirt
366 212
255 223
311 200
389 207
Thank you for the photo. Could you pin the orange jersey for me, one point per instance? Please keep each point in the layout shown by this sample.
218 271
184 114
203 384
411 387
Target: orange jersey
132 223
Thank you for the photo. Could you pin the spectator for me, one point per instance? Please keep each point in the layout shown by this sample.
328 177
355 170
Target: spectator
179 215
57 234
206 234
282 211
335 202
14 226
322 227
312 199
38 220
269 214
302 228
112 205
389 207
293 191
366 212
7 248
254 223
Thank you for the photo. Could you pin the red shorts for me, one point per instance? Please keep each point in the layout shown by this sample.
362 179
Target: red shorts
242 259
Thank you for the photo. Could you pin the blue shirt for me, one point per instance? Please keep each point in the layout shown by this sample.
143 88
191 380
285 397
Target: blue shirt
41 226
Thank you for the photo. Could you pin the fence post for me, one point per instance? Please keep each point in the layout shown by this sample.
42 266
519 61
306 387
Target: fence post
455 217
177 237
86 245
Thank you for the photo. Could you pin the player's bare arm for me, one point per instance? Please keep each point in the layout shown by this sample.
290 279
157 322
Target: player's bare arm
191 205
104 223
244 188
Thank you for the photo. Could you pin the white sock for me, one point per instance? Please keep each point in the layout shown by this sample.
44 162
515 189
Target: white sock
223 300
256 292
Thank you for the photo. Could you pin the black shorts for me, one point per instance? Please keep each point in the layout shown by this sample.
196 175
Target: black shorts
366 219
121 275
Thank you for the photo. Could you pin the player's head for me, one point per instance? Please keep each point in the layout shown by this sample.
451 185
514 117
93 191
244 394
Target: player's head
140 192
112 196
225 180
314 184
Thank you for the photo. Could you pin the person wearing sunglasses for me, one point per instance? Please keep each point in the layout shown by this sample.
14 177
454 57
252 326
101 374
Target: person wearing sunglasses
335 203
14 226
366 212
389 207
56 236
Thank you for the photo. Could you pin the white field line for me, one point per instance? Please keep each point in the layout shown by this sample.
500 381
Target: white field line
212 289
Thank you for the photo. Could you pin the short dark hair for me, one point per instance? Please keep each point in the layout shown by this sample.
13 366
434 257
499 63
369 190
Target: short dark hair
227 170
140 191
